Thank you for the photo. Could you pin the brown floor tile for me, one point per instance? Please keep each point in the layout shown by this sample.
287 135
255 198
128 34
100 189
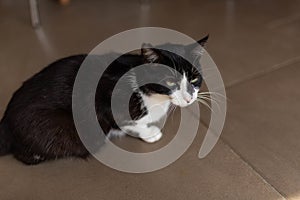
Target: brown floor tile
263 127
221 175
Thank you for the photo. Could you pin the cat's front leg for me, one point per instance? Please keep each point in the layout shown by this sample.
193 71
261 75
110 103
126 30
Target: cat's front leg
149 134
152 134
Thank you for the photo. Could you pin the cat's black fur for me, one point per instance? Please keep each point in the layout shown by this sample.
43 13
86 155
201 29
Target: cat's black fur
38 124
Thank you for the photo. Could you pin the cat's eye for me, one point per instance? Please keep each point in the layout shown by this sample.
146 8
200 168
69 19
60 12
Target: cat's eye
170 83
194 80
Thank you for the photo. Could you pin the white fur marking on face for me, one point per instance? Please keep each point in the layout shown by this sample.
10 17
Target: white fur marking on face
181 97
183 87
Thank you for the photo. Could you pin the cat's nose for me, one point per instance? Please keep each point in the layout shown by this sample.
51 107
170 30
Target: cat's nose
188 99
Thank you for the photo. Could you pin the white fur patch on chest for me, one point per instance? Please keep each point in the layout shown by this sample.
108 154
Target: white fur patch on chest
157 106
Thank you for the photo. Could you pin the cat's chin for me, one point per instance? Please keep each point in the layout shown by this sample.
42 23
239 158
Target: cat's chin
181 105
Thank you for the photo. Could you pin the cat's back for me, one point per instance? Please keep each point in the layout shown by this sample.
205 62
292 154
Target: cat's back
50 87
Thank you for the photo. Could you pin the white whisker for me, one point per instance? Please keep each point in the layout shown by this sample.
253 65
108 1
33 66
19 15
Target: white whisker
217 100
213 93
173 112
205 103
211 100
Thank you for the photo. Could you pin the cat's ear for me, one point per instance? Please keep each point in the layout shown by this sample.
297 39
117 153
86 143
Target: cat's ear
149 53
203 41
198 48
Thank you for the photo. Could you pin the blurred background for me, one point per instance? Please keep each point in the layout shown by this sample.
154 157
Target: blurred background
255 44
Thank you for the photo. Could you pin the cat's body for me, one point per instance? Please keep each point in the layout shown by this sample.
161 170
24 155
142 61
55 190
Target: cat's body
38 124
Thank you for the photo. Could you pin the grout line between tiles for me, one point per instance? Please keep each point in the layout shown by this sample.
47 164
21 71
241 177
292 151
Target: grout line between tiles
247 163
265 72
275 67
263 178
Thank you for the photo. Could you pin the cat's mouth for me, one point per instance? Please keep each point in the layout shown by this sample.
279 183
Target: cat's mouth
181 102
183 99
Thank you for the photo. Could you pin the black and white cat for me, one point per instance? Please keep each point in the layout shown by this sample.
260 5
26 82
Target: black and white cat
38 123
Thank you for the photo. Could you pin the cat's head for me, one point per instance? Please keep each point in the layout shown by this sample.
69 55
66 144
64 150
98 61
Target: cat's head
181 87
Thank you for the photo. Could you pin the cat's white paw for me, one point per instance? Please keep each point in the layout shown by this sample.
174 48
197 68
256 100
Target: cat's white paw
152 134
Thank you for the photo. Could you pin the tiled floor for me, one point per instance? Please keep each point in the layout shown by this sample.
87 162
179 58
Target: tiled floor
256 46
